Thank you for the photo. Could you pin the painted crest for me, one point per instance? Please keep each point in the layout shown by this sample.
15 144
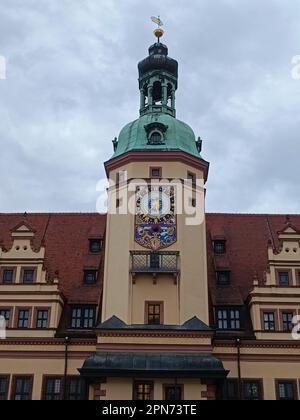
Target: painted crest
155 226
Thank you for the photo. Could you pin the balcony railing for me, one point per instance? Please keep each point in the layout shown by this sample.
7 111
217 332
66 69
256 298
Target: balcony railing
155 262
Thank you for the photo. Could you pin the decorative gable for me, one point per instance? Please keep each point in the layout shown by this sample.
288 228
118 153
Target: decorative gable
22 236
22 230
289 245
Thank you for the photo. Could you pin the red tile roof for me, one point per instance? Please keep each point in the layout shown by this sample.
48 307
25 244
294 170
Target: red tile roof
247 237
66 240
65 237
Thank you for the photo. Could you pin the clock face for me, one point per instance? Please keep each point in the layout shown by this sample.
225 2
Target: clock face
155 204
155 217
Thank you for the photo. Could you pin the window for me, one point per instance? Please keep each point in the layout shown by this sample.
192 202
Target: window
28 276
193 202
192 182
155 172
223 278
229 318
235 319
143 391
22 388
287 321
173 392
156 138
298 278
76 389
232 388
286 390
42 318
52 389
90 276
4 380
219 247
121 177
192 179
6 314
154 313
252 390
23 318
269 321
222 318
284 278
8 276
82 317
95 246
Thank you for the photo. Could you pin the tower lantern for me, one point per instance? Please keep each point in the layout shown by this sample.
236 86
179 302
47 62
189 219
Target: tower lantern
158 79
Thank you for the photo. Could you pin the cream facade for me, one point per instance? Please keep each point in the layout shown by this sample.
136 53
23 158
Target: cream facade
147 304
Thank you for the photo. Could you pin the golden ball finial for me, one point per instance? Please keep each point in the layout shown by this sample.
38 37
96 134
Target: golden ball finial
159 33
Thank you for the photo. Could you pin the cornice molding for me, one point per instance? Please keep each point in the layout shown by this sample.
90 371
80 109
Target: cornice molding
147 156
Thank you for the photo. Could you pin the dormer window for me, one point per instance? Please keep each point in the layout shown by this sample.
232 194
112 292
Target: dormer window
156 133
223 278
155 138
219 247
90 276
228 318
95 246
82 317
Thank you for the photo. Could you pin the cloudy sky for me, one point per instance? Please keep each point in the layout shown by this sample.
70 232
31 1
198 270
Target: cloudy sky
72 85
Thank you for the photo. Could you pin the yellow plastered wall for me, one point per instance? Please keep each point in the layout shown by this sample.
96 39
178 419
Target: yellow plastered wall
38 368
163 290
193 289
268 371
122 388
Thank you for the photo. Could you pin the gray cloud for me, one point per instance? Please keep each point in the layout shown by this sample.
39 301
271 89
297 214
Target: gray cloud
72 84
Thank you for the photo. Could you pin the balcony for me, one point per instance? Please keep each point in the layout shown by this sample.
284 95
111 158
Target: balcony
143 262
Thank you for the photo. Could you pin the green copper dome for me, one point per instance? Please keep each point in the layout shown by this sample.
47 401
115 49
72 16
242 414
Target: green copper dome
157 129
177 136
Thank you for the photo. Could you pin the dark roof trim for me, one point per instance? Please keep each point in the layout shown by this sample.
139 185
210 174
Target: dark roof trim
193 324
153 364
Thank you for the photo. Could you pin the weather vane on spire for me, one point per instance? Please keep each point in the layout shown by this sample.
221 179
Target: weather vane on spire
159 32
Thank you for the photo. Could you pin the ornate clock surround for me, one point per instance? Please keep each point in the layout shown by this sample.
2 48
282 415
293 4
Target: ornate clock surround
156 219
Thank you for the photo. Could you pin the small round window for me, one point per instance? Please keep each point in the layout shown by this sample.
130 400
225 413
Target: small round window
156 137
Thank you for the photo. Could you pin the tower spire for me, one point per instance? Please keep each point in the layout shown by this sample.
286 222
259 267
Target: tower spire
158 32
158 78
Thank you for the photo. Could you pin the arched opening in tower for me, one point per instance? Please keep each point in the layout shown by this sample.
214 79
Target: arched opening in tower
170 93
146 95
157 93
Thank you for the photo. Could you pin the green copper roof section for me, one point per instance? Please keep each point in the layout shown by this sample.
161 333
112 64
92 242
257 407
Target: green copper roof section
178 136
